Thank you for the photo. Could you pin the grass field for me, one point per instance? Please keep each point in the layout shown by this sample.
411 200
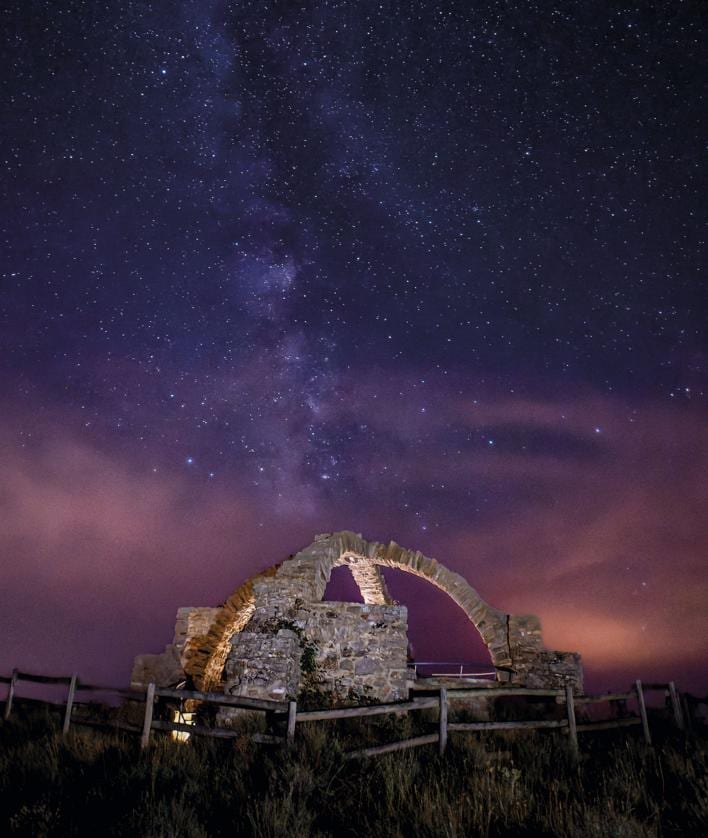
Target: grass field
521 784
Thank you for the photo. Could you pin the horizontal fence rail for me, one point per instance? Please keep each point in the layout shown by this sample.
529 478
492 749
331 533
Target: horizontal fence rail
496 692
520 725
369 710
597 699
123 692
455 669
376 750
288 716
244 702
614 723
41 679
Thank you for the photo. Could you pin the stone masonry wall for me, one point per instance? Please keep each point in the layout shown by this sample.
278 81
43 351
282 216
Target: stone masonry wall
167 668
264 665
349 651
360 650
538 667
164 669
550 669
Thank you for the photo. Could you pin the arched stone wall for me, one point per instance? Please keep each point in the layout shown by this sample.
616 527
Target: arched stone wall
304 577
204 655
275 598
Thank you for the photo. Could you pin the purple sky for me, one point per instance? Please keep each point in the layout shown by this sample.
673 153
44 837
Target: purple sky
432 272
605 542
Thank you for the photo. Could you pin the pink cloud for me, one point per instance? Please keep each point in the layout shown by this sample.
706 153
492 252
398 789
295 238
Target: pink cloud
603 535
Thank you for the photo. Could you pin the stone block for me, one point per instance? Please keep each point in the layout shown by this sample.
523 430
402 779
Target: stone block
164 669
366 666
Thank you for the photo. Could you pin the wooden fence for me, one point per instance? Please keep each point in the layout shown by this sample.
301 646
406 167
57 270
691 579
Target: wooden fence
289 716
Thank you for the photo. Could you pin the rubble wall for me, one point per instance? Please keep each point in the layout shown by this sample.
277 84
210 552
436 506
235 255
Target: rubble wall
348 652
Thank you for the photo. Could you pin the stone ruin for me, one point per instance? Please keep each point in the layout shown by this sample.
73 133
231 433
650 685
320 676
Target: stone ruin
275 638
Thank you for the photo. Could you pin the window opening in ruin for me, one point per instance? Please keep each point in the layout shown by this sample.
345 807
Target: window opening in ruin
342 587
441 638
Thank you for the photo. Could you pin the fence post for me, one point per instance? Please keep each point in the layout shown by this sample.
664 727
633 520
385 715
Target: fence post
572 727
686 706
643 711
69 704
10 695
147 721
676 705
442 722
292 720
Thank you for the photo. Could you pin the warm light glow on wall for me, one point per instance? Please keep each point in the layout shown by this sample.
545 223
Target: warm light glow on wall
184 719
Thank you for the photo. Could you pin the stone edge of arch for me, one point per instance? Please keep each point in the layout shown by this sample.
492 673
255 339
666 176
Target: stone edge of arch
305 576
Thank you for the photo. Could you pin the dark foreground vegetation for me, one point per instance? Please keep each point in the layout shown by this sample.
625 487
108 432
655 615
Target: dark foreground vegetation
523 784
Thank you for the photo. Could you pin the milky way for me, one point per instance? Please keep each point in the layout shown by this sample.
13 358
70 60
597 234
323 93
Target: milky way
431 272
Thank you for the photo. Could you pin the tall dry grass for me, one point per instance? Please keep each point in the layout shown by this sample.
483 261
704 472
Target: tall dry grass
520 784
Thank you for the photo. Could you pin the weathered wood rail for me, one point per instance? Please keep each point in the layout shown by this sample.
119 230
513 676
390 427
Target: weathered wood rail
287 713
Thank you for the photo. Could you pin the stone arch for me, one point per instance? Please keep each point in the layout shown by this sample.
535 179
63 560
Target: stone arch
204 655
304 577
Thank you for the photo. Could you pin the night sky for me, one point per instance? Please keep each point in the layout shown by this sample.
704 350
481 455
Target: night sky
428 271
